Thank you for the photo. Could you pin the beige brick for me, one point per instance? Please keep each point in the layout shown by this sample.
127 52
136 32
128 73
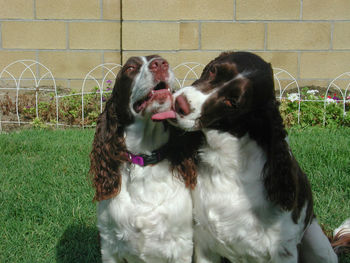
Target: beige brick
94 35
267 10
342 84
7 57
284 60
76 85
71 65
289 36
341 36
191 70
180 9
156 10
203 57
313 82
20 9
189 35
326 10
100 73
285 86
150 36
206 10
68 9
323 65
61 84
111 9
34 35
112 57
233 36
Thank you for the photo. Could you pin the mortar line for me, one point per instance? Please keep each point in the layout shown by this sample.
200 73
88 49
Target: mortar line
34 9
101 9
265 36
200 36
298 66
67 36
121 32
96 20
102 59
1 36
332 36
37 68
235 10
172 51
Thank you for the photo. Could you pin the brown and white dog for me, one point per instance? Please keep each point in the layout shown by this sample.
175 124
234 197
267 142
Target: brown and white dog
144 212
252 202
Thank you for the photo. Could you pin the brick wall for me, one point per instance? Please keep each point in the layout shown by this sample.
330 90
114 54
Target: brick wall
308 38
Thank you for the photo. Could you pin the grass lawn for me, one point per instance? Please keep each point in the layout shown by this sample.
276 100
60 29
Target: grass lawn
45 195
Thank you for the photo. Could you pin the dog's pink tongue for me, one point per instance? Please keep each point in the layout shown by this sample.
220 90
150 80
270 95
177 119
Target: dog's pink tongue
164 115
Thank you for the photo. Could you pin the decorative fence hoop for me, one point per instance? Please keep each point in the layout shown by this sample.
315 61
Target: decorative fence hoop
191 67
334 85
29 64
189 71
279 71
109 67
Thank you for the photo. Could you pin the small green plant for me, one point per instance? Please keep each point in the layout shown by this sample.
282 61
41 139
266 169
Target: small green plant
39 124
69 107
315 110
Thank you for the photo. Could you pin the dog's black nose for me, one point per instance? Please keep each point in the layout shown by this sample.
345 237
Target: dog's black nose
182 107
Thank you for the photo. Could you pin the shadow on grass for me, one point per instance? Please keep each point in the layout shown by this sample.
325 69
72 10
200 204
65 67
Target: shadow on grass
79 244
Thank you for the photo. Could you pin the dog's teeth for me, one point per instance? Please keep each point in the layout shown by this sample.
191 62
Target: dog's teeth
152 92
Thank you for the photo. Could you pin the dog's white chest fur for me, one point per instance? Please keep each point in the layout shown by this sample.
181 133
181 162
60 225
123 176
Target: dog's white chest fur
231 211
152 214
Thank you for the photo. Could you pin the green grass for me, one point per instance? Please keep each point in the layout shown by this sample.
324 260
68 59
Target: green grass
324 155
47 214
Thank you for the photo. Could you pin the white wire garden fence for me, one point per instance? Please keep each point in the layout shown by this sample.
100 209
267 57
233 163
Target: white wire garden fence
29 93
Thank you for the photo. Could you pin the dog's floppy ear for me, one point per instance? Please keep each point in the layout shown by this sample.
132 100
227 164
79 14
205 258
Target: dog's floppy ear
280 171
183 154
108 153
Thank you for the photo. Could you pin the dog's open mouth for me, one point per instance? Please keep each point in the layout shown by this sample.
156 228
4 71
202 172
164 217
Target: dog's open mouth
160 94
159 89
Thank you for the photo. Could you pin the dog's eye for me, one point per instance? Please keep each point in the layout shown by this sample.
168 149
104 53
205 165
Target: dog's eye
212 73
130 68
230 103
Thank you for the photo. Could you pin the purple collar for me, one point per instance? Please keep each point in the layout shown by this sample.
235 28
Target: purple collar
144 160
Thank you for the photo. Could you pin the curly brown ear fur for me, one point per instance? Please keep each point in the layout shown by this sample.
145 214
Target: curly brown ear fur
182 152
107 154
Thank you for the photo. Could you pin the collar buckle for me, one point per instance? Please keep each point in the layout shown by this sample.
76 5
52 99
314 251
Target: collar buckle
144 160
135 159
